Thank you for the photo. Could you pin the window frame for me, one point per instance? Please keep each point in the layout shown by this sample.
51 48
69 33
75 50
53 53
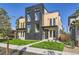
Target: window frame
38 29
29 31
28 16
37 17
52 21
54 33
51 33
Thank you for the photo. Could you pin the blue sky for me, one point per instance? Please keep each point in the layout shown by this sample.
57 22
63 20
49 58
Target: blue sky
18 9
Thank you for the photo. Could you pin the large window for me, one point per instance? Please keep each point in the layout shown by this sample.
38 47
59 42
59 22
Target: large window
54 33
23 25
20 25
36 27
28 28
23 34
52 21
28 17
50 33
37 16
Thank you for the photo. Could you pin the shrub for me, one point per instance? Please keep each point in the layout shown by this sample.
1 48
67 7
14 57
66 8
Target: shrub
64 37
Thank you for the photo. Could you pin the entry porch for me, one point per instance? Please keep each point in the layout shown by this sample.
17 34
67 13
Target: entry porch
50 32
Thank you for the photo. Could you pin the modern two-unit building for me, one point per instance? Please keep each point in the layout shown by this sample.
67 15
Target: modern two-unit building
41 24
73 23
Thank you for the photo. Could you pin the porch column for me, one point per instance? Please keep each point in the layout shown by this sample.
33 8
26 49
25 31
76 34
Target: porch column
48 34
43 35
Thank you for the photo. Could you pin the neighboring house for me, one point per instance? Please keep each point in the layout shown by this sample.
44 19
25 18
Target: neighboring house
12 34
41 24
73 23
20 28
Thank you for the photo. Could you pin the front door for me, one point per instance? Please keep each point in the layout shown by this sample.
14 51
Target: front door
50 34
46 34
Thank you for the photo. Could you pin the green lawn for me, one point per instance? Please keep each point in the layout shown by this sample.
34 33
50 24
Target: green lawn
50 45
19 42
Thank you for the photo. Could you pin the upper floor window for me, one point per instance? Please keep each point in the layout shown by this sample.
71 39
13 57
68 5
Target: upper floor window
52 21
28 17
23 25
28 28
20 25
36 27
37 16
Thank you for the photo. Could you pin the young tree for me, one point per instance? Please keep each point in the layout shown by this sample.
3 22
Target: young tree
5 26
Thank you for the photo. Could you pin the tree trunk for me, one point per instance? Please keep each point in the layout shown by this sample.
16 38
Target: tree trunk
7 48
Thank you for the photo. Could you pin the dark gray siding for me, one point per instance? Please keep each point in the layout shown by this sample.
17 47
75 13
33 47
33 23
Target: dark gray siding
32 10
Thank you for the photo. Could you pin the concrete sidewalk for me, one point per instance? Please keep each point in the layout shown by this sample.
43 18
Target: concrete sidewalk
10 46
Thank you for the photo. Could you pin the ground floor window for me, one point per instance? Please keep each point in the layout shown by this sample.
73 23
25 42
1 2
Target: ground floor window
54 33
50 33
23 33
36 27
28 28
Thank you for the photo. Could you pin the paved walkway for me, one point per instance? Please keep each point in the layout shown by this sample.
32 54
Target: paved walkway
70 50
